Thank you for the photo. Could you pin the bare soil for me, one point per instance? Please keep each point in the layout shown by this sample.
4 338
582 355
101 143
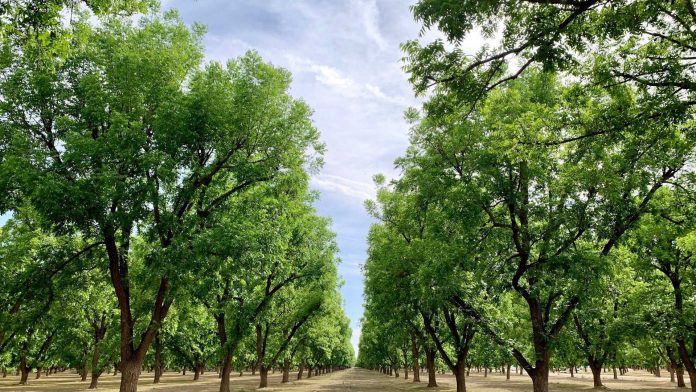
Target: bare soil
348 380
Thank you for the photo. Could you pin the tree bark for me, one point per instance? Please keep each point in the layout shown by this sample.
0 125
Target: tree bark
430 364
680 377
507 374
300 371
540 381
96 372
158 359
596 373
414 361
263 373
130 372
286 370
460 377
23 369
225 375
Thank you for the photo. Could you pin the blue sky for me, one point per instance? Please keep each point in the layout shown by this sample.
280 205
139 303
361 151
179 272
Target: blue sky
346 64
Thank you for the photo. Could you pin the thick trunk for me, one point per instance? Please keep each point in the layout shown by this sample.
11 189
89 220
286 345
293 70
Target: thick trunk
430 364
299 373
38 373
197 373
616 377
507 374
309 372
692 378
94 381
459 376
540 381
226 370
130 372
286 370
25 375
680 377
596 373
263 373
23 368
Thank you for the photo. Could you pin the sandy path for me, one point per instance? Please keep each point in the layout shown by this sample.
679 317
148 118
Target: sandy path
353 380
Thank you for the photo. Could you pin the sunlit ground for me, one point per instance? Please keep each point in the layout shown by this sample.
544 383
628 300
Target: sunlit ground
348 380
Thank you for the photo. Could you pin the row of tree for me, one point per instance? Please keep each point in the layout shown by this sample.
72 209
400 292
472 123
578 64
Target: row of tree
544 212
159 209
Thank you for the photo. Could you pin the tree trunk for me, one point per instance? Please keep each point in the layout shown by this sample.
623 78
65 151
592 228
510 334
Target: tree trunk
616 376
414 361
680 377
309 372
158 359
459 376
430 364
94 381
286 370
572 374
300 371
692 379
96 372
263 373
130 372
24 370
507 374
226 370
596 373
38 373
540 381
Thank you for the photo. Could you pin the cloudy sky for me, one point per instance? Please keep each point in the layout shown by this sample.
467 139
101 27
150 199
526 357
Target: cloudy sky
346 63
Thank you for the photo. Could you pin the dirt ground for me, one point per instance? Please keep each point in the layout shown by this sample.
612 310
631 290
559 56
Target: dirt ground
347 380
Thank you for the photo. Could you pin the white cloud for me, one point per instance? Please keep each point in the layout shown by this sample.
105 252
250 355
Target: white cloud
371 23
340 83
348 187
